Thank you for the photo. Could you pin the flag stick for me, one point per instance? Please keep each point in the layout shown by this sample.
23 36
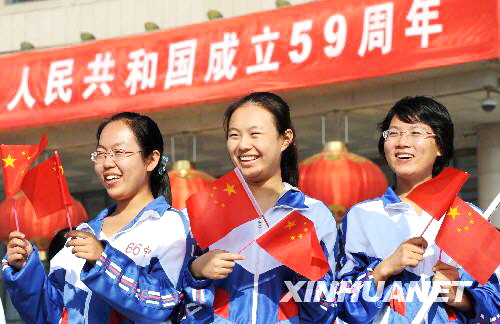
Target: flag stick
425 229
14 208
250 195
68 217
432 298
245 246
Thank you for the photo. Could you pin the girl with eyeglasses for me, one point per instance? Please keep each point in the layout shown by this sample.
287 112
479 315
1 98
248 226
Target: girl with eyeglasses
383 234
124 265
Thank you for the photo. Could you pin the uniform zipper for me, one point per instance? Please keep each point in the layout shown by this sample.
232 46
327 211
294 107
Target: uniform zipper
255 293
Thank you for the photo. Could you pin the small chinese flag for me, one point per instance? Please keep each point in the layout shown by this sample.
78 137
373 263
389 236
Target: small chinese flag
293 242
221 207
16 159
436 195
46 187
470 240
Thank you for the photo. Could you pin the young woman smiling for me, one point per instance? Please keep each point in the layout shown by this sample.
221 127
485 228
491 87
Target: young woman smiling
417 142
249 288
124 265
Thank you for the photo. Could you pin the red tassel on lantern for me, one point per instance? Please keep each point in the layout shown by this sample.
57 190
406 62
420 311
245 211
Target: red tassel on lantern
340 179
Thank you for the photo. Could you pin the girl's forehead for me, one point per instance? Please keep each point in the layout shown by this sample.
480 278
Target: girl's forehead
117 133
395 121
112 145
251 115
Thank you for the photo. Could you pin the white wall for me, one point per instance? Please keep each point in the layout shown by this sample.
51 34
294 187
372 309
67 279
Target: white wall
52 23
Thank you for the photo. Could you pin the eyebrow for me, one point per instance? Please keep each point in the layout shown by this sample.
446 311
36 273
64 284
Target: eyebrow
112 146
423 127
250 128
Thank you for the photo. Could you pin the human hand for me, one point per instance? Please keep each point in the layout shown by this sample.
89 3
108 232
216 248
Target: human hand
215 264
408 254
85 245
18 250
448 273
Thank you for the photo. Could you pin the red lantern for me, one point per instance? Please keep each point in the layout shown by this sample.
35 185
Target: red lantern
37 230
185 181
340 179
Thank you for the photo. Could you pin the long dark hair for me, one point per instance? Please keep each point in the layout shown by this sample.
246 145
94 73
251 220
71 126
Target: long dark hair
430 112
149 138
281 112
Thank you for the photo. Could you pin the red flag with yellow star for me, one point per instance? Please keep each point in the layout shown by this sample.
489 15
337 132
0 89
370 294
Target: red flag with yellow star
293 242
435 195
470 240
46 188
222 206
16 159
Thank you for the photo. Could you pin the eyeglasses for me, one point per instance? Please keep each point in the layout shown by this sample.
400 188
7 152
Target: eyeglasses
116 155
414 134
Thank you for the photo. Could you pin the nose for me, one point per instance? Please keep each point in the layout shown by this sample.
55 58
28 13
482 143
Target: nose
245 143
108 161
403 140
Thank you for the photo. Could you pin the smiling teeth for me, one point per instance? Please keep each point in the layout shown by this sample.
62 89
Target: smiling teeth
404 156
112 177
247 158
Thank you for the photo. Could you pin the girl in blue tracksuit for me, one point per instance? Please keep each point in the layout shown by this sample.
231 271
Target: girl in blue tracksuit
225 287
417 142
115 268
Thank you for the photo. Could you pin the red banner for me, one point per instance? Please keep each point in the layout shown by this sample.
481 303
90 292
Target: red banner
322 42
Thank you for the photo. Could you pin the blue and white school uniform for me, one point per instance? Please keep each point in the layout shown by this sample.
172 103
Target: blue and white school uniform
252 293
374 229
136 280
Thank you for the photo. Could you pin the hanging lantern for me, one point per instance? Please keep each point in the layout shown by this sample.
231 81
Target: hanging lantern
340 179
185 181
38 230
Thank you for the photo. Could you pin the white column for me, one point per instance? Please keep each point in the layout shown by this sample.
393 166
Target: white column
488 165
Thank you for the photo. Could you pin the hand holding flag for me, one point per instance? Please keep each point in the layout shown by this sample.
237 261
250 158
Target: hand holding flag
471 258
18 249
215 264
436 197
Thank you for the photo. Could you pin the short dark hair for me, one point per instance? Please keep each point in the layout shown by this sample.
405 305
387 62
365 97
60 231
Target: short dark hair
281 113
430 112
149 138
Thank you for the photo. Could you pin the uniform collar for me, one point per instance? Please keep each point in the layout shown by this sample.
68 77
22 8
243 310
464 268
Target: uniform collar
291 197
392 201
390 197
154 209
